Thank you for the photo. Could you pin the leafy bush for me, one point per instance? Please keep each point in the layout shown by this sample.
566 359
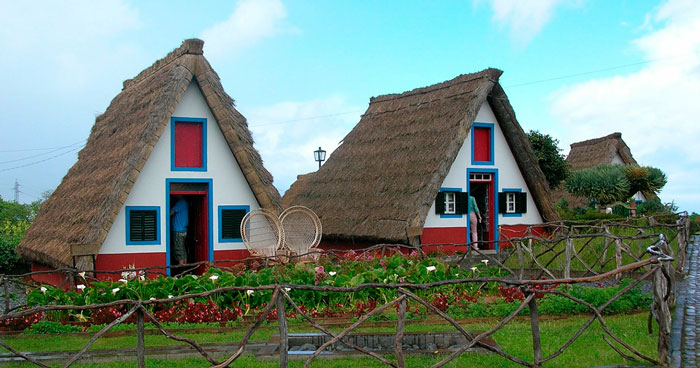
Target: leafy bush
603 183
11 233
610 183
549 158
654 206
459 300
694 223
51 327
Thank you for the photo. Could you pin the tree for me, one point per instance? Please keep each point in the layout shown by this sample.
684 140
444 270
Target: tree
610 183
15 219
648 180
552 163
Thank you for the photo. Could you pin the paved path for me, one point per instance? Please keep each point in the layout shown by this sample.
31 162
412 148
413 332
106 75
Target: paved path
685 341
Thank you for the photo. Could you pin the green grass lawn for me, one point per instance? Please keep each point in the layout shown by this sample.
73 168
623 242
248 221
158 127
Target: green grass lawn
589 350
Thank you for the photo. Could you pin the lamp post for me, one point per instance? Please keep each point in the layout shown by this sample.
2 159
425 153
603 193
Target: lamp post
319 156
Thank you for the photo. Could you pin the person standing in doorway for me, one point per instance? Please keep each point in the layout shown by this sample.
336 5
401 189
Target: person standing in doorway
474 219
179 219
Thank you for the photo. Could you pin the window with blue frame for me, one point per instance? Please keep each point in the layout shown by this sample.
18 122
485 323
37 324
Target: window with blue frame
512 202
230 218
482 144
142 225
451 202
188 144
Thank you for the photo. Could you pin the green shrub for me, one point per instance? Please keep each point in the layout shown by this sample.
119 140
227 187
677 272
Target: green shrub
694 223
653 206
11 234
51 327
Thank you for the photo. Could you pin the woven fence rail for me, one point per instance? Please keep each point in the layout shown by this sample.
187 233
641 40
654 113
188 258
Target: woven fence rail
595 252
657 270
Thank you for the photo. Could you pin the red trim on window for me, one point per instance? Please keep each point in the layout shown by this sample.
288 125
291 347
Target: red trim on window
188 144
482 144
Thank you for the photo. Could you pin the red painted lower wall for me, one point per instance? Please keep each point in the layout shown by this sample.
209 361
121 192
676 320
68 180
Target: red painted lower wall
52 278
444 235
110 266
117 262
233 255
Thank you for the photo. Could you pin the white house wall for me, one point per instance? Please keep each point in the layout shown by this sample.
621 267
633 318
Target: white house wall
228 183
617 159
509 176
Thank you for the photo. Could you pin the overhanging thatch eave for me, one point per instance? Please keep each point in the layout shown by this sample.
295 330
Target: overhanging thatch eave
464 125
413 139
82 209
234 127
523 154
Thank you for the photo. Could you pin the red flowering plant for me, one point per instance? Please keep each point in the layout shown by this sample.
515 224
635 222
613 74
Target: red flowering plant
351 270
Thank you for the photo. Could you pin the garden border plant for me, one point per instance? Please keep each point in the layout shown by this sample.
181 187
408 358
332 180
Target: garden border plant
280 294
318 283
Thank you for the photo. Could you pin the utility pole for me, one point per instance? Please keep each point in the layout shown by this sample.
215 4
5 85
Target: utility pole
16 191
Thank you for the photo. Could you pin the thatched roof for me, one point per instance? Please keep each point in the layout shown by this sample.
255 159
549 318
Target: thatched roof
593 152
598 151
80 212
380 183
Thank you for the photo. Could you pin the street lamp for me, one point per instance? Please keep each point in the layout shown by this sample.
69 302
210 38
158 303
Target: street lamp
319 156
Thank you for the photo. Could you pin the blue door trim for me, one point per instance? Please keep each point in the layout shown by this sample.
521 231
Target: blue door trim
210 217
494 172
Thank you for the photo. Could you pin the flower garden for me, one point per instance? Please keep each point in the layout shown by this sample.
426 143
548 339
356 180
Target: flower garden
458 300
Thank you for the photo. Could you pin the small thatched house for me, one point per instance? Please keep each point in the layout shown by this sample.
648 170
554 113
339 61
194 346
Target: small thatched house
171 131
402 175
610 149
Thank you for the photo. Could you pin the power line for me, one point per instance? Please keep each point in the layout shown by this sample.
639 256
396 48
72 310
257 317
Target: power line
509 86
41 154
582 73
43 149
40 161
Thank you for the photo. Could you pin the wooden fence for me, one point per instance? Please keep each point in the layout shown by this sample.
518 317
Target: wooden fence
657 268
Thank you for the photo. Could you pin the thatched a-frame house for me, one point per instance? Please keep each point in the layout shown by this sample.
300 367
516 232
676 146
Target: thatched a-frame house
403 173
610 149
171 131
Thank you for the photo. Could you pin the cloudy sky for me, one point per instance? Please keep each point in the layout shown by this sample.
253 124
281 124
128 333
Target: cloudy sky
302 72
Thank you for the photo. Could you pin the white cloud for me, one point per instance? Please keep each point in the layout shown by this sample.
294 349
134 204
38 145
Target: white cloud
656 108
287 133
62 61
251 21
524 18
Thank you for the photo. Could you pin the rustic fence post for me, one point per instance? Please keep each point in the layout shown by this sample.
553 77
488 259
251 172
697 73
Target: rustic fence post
521 259
683 231
140 344
284 336
662 313
618 257
6 288
567 254
398 340
535 327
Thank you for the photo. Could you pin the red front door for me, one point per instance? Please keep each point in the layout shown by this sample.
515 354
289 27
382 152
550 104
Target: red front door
197 242
481 188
